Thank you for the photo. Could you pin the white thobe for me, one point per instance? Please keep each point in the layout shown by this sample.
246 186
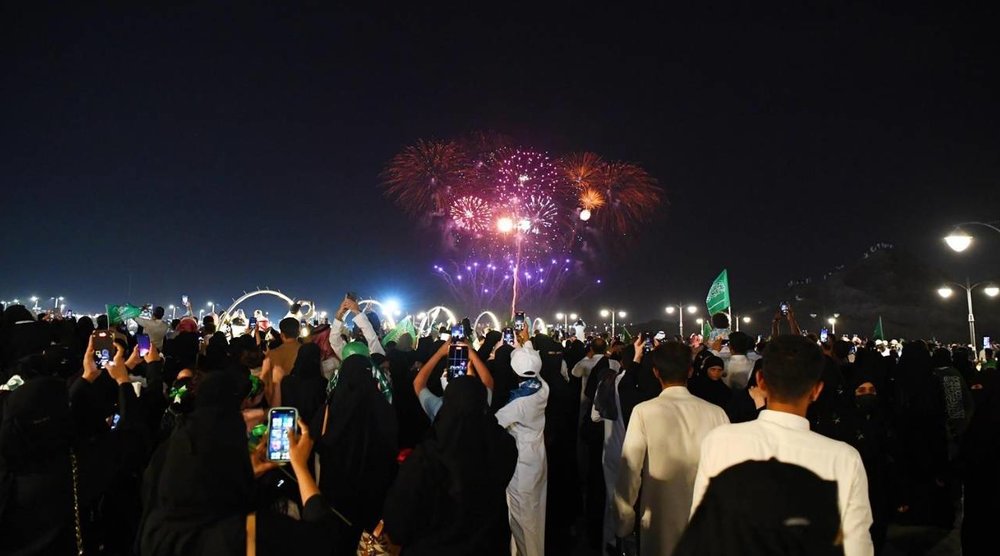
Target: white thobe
524 419
660 454
787 438
614 436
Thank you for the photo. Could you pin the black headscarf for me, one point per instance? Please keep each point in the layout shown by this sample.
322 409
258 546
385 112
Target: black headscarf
800 517
305 388
491 339
450 495
216 355
358 450
205 486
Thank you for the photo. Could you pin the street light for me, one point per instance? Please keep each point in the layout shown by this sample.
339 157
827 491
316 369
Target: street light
959 240
212 305
173 312
746 320
833 325
991 290
613 312
679 309
34 303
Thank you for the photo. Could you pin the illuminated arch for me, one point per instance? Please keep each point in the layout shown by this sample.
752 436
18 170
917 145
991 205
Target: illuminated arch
493 318
431 316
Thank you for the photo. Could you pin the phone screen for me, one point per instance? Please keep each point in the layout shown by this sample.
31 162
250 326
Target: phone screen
252 322
508 336
184 299
648 346
457 333
104 346
519 321
458 361
823 335
282 420
784 308
986 342
143 341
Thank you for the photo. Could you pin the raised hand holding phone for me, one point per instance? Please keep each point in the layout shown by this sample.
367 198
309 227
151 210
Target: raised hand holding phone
280 420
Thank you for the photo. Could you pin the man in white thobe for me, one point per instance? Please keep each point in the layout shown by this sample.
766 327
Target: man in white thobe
660 454
524 419
790 380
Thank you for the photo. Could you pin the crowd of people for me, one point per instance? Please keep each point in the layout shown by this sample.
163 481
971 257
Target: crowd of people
650 445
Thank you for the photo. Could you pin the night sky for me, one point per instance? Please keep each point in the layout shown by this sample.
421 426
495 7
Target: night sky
211 150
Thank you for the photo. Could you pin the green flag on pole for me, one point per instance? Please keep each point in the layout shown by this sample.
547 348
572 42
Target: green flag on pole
626 337
878 334
706 330
120 313
718 295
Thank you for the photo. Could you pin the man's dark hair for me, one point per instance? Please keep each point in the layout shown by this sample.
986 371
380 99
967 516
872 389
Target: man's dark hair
672 360
289 327
988 352
740 343
158 312
720 320
599 346
792 366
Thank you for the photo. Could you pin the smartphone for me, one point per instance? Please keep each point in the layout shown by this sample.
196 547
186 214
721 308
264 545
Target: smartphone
114 420
457 333
508 336
458 361
986 342
784 308
252 322
280 421
519 321
648 345
823 335
143 341
184 299
104 346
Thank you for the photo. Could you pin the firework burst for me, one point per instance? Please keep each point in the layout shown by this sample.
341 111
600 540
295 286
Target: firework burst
582 169
631 196
424 177
507 211
472 214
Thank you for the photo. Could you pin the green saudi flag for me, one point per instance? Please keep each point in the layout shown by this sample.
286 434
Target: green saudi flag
118 314
706 330
718 295
878 334
626 337
404 326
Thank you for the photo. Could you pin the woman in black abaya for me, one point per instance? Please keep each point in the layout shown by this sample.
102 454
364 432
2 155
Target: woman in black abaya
305 388
450 497
357 448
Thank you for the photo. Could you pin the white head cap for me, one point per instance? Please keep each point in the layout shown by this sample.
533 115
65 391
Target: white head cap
526 362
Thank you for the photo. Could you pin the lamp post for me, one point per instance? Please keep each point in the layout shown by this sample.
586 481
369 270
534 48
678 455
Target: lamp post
212 305
959 240
613 312
833 325
34 303
946 292
679 309
566 317
173 312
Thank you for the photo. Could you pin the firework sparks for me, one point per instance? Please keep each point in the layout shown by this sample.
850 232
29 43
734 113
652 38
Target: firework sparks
631 196
472 214
583 170
591 199
424 176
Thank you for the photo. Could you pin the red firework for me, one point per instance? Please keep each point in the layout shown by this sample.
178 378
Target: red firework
582 169
631 196
422 178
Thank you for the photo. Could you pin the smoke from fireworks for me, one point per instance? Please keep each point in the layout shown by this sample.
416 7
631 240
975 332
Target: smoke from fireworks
504 208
